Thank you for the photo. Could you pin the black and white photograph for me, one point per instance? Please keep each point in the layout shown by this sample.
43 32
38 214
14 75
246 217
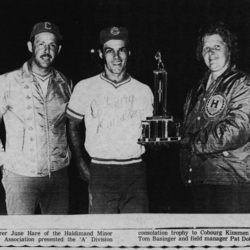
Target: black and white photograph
125 123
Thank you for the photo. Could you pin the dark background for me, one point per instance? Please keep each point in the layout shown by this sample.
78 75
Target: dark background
170 26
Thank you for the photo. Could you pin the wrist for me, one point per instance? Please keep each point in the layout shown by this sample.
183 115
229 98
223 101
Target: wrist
2 158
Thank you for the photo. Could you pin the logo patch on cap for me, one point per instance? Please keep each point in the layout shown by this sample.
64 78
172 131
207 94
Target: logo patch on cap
115 31
47 25
215 105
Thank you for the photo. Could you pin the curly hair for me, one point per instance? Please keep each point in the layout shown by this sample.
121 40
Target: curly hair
228 37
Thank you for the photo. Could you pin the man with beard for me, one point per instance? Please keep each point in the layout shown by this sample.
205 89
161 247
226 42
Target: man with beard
32 103
113 104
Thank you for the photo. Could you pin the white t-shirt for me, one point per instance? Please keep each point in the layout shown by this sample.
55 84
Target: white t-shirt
43 81
113 115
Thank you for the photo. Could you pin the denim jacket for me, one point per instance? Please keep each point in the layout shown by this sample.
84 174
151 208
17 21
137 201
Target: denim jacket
36 142
217 121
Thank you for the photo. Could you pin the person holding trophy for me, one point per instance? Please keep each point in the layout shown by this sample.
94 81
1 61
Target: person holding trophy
113 105
215 152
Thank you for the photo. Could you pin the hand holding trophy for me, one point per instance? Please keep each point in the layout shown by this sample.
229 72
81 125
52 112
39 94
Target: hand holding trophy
160 129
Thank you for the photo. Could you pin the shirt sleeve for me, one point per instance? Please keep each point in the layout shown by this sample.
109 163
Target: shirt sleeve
231 132
76 107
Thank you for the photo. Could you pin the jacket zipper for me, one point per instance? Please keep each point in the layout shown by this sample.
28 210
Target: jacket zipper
47 130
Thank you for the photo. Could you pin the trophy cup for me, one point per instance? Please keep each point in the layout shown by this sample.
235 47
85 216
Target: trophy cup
161 126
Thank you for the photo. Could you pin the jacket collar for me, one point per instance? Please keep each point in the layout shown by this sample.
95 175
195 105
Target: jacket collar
224 74
28 76
201 86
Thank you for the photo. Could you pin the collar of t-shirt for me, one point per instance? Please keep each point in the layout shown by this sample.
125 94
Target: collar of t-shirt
43 81
116 85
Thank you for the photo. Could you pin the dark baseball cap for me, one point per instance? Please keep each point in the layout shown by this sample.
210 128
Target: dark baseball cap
45 27
113 33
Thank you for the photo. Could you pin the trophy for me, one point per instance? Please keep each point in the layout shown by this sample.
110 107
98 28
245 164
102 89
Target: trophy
161 126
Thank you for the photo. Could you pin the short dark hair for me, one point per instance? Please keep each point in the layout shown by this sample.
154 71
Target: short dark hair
100 47
228 37
97 62
126 43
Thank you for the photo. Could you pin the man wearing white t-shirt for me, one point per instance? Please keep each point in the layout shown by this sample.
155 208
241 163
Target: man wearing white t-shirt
112 104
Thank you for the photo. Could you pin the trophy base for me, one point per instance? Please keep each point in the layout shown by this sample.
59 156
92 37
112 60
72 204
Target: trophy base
148 141
160 129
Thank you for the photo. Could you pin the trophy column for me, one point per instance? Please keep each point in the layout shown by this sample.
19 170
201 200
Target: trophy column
158 124
160 127
160 93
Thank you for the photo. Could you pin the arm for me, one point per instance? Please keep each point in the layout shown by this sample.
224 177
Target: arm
185 141
2 111
75 145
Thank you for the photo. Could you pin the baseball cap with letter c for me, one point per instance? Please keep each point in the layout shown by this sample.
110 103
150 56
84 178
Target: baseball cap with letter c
45 27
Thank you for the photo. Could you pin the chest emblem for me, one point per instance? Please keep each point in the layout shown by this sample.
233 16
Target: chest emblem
215 105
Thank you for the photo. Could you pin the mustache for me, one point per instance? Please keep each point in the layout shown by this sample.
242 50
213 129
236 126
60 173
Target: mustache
46 54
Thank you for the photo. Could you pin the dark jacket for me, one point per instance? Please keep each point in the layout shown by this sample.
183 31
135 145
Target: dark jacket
217 122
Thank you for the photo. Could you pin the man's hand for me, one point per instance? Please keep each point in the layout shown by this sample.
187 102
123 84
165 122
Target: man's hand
83 170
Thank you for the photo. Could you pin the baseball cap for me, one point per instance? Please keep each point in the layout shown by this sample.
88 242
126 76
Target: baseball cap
113 33
45 27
